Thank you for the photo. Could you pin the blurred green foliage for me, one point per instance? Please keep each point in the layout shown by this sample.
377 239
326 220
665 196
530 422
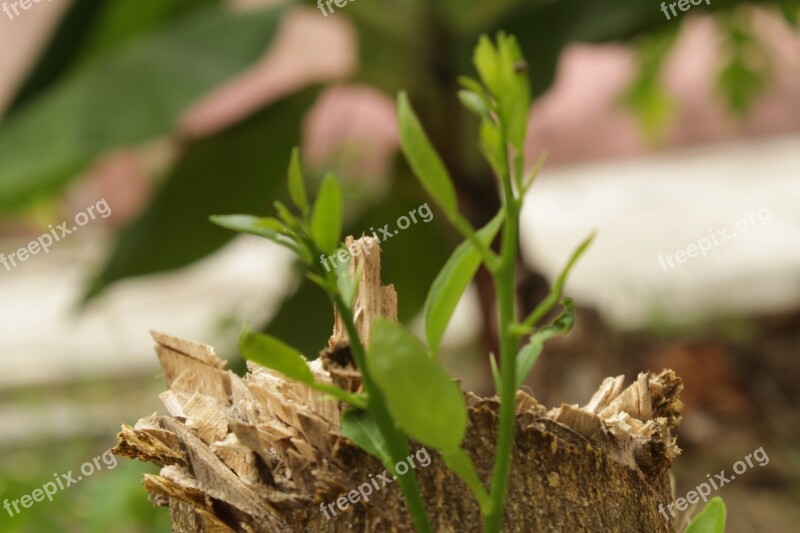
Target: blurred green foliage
647 96
744 75
111 500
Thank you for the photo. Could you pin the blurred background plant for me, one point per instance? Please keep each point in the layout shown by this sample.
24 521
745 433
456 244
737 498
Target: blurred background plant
176 110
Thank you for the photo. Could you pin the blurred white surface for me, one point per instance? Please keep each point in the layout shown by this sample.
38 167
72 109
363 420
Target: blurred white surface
661 204
42 339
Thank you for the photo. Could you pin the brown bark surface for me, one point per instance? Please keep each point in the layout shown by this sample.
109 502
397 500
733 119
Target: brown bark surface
261 453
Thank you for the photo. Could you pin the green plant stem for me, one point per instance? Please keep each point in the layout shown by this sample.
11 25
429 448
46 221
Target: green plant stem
396 441
504 279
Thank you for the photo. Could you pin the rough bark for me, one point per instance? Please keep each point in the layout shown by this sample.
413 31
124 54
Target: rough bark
263 454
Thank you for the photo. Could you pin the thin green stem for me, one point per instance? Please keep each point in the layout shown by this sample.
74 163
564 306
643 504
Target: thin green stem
396 441
504 280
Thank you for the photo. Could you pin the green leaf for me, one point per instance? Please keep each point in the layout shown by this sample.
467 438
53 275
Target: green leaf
287 217
514 101
711 519
357 400
487 62
267 227
461 465
452 281
476 103
326 222
279 356
222 173
297 188
424 160
503 70
493 149
496 377
262 226
134 94
526 358
421 397
360 428
529 353
471 85
274 354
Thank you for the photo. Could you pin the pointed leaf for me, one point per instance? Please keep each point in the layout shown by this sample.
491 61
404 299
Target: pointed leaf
487 63
267 227
471 85
287 217
326 222
476 103
424 160
297 188
452 281
360 428
526 358
493 149
461 465
275 354
514 101
421 397
357 400
498 380
711 519
529 353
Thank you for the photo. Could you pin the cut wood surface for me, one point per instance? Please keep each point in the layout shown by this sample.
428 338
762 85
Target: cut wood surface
261 453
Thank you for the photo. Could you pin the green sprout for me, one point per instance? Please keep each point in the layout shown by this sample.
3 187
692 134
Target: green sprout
406 393
711 519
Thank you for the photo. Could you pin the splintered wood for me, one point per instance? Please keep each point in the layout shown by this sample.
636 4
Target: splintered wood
261 453
373 299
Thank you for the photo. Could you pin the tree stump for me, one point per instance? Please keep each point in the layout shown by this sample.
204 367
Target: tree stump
264 454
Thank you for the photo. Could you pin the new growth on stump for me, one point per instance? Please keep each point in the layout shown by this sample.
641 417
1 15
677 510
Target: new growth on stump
263 451
269 451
